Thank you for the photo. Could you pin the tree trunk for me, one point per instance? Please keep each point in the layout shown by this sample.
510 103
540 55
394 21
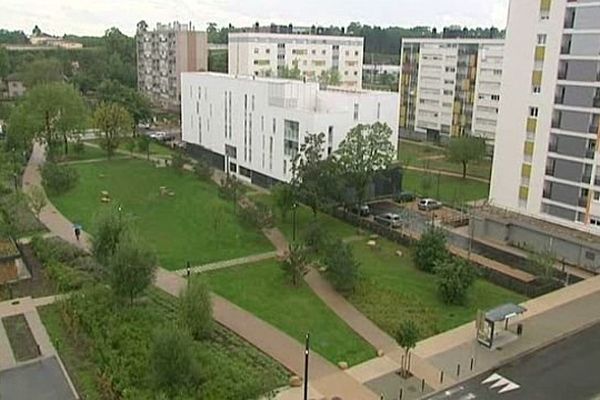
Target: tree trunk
464 163
66 142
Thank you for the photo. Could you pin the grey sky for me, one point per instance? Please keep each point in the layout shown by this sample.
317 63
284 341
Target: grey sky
92 17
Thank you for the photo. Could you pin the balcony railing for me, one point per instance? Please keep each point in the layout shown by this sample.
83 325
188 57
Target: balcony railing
582 202
546 194
586 179
597 181
590 153
549 171
552 147
593 129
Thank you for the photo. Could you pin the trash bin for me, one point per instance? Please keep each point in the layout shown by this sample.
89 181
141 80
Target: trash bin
519 329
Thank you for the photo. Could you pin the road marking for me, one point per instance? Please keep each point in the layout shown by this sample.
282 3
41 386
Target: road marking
501 383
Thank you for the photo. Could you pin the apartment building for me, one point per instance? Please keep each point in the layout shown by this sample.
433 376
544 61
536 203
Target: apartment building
163 54
253 127
269 54
450 87
547 160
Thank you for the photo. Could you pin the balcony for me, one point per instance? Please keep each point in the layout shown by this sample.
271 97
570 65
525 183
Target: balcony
596 102
546 194
593 129
590 153
597 180
582 202
553 147
586 179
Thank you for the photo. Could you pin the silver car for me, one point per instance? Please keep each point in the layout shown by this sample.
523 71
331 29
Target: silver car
429 204
389 219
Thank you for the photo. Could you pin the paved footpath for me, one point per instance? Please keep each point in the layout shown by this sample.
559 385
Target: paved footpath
229 263
324 378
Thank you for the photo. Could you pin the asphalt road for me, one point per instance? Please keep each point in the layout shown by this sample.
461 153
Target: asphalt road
567 370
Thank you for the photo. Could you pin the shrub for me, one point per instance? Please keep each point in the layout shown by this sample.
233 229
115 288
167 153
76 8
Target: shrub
78 146
108 229
284 198
58 179
316 238
203 170
295 264
171 362
66 279
257 216
430 250
342 267
230 188
195 309
55 249
454 277
178 161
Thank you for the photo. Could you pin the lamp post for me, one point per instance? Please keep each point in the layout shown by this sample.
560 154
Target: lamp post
120 209
306 355
294 207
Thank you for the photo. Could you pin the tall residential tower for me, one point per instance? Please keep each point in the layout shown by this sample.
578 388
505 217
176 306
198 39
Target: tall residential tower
450 87
547 161
163 54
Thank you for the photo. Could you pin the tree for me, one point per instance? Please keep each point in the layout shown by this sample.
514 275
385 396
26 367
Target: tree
307 171
342 267
108 229
138 106
407 336
131 268
283 198
330 77
43 70
143 145
430 250
454 278
543 263
54 110
178 161
36 198
195 309
57 178
172 362
114 122
4 63
290 73
20 128
316 239
465 150
295 264
365 150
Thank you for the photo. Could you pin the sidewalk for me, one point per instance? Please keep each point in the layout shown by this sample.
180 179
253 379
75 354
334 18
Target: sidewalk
228 263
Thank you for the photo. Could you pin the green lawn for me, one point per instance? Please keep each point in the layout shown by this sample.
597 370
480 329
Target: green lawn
392 289
89 153
263 290
450 190
304 216
156 149
193 225
419 155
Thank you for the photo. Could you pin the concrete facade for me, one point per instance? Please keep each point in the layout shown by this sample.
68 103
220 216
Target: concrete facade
267 54
546 160
255 126
163 54
450 87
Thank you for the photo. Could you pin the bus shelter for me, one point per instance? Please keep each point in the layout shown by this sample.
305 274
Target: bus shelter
493 325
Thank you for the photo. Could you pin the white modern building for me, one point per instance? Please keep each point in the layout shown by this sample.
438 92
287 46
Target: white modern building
254 127
450 87
547 161
267 54
163 54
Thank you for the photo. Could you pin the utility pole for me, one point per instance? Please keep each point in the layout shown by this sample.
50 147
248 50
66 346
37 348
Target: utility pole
306 355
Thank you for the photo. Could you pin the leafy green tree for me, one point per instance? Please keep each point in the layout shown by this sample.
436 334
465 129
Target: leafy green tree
430 250
330 77
131 268
13 37
217 61
53 110
114 122
454 278
365 150
172 362
342 267
57 178
543 263
4 63
295 264
43 70
307 171
20 128
290 73
143 145
465 150
316 239
407 336
109 227
195 309
112 91
284 198
36 198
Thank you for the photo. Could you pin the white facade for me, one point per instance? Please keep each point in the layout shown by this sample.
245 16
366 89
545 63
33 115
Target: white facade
451 87
163 54
258 124
265 54
546 160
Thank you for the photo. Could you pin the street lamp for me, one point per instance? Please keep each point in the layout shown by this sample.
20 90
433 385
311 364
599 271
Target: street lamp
306 355
294 207
120 209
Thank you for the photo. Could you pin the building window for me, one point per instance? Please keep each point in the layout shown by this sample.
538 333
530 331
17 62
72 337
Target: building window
255 50
253 100
495 97
378 111
268 51
330 140
274 126
271 153
541 39
536 89
291 138
284 167
356 111
533 112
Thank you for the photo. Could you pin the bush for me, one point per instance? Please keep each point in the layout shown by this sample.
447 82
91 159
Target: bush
295 264
78 146
66 278
430 250
108 229
257 216
203 170
230 188
454 277
195 309
171 362
178 161
55 249
316 238
58 179
342 267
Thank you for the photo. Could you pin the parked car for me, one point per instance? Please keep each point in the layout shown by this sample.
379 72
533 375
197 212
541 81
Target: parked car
405 197
389 219
363 211
429 204
160 136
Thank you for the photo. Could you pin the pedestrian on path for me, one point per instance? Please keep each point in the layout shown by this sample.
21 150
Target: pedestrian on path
77 229
188 272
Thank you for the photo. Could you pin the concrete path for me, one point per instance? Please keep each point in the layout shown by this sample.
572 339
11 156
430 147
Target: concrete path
324 376
229 263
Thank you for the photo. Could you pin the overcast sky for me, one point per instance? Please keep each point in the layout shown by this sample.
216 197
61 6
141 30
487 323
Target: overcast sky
92 17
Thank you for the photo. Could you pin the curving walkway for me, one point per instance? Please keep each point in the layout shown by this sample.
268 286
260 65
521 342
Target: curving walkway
324 377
